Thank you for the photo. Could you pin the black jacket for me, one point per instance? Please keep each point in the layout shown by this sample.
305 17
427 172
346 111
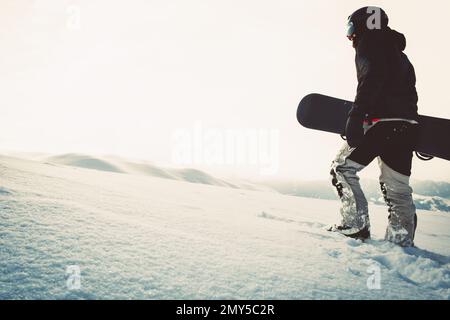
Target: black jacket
386 78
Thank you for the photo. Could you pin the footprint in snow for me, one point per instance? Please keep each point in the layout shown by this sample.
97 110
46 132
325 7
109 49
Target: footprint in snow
307 224
4 192
266 215
316 225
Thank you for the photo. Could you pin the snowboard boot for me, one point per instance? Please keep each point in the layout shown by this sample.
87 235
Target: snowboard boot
353 233
397 194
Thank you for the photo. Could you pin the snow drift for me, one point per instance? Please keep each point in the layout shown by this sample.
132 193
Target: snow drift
116 164
141 236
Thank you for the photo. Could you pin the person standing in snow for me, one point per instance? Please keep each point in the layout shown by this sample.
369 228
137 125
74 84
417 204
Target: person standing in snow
383 124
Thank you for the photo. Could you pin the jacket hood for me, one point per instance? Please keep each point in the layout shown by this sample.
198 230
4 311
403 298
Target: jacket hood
383 37
398 38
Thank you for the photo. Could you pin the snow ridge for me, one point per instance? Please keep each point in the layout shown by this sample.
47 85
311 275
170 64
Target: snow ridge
142 237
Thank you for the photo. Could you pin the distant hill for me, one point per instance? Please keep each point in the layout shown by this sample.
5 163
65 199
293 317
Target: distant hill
83 161
428 195
118 165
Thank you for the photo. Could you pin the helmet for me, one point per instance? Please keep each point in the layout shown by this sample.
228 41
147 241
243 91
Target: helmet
365 19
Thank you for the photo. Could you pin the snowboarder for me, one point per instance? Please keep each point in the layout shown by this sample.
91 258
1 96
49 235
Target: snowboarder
382 123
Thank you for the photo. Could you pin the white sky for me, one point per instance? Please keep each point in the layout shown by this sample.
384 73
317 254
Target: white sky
135 72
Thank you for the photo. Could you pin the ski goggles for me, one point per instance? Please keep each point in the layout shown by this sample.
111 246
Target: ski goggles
350 30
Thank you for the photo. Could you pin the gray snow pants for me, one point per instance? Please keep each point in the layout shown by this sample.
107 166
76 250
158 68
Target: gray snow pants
393 144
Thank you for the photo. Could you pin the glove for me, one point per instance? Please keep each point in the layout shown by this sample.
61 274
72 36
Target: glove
354 131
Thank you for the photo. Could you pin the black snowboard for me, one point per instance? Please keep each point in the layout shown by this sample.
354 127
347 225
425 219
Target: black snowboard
324 113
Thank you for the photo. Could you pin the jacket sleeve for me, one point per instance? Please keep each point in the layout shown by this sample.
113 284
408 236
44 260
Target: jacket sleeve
371 67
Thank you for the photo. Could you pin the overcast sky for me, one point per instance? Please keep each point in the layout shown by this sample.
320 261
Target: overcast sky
130 77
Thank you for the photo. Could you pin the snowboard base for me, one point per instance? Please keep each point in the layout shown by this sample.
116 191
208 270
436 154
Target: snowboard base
324 113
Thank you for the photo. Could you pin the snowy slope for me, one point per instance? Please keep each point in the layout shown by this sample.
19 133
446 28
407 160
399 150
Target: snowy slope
141 236
116 164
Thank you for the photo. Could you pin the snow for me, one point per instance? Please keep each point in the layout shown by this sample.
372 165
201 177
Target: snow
433 203
140 236
116 164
